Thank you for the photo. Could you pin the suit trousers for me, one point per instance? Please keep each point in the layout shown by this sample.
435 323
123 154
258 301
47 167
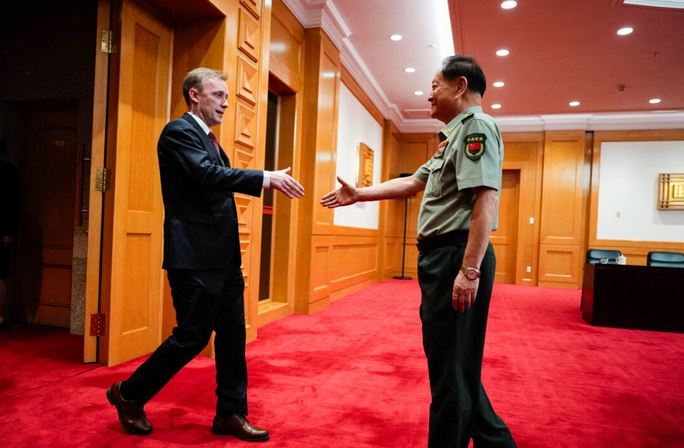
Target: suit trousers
205 301
454 345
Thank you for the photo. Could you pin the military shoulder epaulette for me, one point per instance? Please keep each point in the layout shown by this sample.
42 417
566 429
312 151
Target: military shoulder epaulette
467 118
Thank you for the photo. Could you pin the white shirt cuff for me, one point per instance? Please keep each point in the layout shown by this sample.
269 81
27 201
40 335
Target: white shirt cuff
267 179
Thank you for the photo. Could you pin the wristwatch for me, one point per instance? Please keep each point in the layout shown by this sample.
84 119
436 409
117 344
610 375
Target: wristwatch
470 272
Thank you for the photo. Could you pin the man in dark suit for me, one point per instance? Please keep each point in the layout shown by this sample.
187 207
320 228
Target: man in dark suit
202 259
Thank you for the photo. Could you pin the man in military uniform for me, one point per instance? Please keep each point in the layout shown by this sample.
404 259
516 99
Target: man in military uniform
456 263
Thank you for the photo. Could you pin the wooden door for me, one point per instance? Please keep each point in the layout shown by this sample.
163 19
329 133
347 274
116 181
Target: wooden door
504 239
48 161
134 254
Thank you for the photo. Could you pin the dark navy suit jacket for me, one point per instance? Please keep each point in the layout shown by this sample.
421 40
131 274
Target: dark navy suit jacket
200 222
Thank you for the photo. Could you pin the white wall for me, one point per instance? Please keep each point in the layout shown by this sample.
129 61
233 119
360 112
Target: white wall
628 191
356 125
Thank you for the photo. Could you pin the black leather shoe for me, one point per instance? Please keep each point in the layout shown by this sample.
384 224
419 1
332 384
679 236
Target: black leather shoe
131 415
238 426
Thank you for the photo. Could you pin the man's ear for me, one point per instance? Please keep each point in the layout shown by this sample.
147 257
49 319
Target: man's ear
461 85
194 95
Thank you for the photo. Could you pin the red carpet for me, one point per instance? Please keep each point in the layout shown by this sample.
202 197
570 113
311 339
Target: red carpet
354 376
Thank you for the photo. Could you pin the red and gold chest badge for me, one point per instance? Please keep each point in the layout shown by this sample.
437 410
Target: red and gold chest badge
475 146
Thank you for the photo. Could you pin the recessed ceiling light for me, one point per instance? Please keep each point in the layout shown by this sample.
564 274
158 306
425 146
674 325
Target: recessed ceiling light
418 92
654 100
498 84
625 31
410 69
396 37
509 4
574 103
502 52
496 106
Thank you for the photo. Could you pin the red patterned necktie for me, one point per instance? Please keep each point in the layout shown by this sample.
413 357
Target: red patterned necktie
212 137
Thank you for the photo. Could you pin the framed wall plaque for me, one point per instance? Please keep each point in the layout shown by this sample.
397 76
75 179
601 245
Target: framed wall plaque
365 177
671 191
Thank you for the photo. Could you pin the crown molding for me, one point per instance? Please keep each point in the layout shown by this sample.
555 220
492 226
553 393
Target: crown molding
619 121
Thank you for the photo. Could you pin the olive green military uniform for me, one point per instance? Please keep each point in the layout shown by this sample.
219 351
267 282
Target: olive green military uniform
471 156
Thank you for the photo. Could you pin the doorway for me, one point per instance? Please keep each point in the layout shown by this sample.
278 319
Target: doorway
48 159
274 283
46 121
267 211
505 238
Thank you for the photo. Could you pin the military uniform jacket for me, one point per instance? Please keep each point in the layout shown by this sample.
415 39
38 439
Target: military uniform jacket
471 156
200 221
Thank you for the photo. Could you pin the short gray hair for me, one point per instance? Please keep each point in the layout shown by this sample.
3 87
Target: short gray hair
195 79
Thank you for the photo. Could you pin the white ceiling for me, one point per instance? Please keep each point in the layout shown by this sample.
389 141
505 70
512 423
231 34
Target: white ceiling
561 50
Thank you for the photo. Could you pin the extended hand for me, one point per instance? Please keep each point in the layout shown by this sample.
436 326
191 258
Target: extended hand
283 182
464 292
345 195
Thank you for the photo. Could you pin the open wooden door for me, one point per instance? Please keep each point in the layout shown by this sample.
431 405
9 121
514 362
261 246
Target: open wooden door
505 238
132 278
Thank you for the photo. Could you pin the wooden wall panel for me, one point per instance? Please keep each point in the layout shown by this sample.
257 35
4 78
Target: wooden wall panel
287 47
315 162
253 38
391 211
320 283
413 151
326 137
247 81
253 6
249 35
563 208
562 265
352 260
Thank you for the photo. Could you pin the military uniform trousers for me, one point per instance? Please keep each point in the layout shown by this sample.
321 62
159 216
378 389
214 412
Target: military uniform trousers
205 301
454 345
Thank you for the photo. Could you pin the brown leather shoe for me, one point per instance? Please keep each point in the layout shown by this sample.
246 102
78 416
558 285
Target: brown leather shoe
238 426
131 415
